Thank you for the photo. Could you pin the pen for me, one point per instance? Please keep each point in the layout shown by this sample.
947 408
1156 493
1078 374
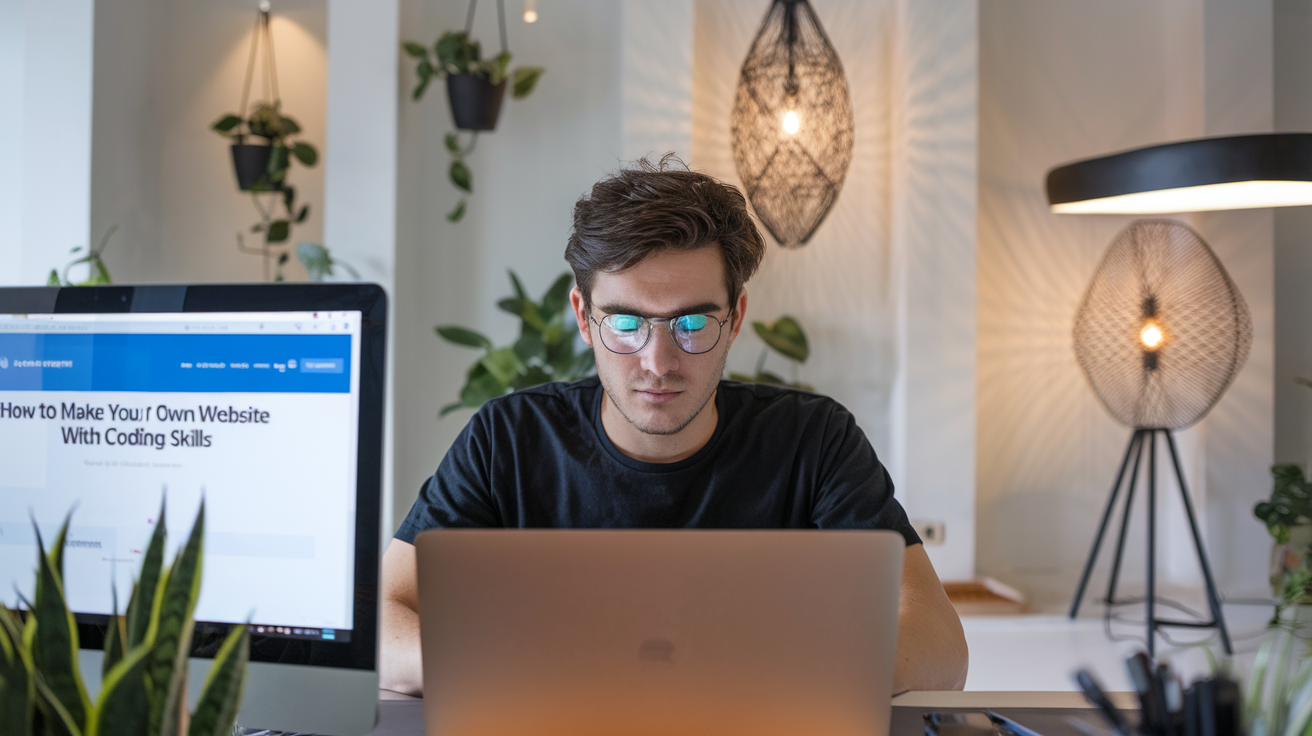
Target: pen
1011 725
1095 695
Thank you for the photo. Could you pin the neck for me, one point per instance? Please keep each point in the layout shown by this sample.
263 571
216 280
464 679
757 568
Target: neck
659 448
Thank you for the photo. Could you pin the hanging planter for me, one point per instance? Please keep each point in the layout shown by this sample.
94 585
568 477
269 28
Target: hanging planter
475 89
475 102
251 161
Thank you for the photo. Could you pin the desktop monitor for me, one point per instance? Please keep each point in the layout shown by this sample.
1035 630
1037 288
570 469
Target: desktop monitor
266 401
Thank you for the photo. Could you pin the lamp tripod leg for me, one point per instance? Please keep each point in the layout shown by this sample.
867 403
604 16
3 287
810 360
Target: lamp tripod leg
1125 522
1151 585
1102 526
1213 599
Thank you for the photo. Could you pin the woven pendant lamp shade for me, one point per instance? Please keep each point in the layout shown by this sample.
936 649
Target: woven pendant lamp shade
1162 330
791 124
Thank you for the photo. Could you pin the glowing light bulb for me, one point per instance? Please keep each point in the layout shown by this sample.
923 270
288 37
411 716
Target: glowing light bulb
791 123
530 11
1151 336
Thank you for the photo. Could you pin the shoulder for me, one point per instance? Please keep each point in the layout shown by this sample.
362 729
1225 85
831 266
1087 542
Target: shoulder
546 401
776 401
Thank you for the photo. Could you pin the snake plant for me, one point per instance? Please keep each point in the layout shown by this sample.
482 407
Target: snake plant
143 689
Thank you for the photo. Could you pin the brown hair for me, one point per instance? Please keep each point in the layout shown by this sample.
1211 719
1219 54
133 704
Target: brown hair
646 208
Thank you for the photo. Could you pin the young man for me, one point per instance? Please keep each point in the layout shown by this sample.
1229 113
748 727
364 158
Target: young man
657 439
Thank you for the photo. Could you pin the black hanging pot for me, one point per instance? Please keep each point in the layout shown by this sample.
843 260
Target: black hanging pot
251 161
475 103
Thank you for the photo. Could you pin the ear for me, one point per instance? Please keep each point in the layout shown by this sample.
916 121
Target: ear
581 314
738 317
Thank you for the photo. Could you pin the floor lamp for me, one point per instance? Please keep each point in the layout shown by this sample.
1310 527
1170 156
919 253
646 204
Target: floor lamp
1161 334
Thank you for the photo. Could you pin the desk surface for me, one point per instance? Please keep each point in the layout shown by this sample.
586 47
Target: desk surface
402 715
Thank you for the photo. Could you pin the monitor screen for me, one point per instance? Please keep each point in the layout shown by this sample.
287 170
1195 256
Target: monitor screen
256 412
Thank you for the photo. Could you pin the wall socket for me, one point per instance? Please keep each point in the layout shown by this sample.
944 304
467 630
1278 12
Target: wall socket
931 532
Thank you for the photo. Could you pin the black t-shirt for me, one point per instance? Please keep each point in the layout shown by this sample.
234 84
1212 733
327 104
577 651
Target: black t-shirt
779 459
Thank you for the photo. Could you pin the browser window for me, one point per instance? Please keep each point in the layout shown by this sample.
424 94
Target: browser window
256 413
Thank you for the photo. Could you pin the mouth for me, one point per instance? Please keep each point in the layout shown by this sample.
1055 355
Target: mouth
658 395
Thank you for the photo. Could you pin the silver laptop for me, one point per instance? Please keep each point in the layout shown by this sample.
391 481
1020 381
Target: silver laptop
637 633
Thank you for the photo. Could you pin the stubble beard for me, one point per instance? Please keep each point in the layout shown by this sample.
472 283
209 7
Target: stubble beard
682 424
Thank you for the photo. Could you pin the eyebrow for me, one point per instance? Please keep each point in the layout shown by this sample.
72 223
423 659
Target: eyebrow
703 308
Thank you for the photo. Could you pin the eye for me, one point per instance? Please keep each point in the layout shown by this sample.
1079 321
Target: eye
625 322
690 322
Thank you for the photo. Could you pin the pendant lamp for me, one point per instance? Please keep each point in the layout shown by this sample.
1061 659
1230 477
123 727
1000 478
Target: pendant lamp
791 124
1161 334
1224 173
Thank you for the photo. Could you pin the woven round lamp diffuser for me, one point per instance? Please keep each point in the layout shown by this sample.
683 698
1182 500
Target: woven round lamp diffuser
1161 334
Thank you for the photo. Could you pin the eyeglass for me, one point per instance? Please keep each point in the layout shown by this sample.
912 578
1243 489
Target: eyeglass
628 333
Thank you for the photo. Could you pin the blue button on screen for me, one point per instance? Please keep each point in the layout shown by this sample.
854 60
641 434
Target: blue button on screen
321 365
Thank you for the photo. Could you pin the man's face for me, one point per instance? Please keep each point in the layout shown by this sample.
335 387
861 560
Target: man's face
660 389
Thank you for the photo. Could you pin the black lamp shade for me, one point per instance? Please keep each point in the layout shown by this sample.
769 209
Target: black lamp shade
1232 172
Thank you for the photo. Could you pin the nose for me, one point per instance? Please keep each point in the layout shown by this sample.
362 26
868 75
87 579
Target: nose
660 355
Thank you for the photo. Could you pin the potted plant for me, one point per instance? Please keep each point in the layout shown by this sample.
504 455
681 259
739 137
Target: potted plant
144 681
545 350
263 146
784 336
475 88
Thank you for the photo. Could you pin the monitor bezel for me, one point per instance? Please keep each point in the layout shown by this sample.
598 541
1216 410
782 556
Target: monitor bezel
360 652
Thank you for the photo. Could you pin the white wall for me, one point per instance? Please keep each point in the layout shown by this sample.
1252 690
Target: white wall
45 137
1061 81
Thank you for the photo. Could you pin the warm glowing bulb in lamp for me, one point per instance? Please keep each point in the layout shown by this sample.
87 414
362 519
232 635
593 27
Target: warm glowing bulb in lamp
791 123
530 11
1151 336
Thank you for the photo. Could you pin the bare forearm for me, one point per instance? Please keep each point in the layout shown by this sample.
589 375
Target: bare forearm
931 645
399 664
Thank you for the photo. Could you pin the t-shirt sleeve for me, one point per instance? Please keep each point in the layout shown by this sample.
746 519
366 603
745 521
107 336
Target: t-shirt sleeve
855 490
459 493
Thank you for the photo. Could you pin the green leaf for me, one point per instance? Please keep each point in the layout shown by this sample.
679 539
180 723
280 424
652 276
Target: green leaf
557 297
113 637
456 53
463 336
529 346
786 337
519 287
533 376
305 153
216 711
460 176
54 644
166 668
16 689
452 144
318 264
503 365
278 231
513 304
495 68
289 125
53 278
289 198
143 593
304 213
524 79
480 389
532 317
124 705
457 214
226 123
419 51
450 408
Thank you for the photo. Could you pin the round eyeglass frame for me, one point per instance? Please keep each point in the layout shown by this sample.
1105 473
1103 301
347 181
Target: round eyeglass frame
650 323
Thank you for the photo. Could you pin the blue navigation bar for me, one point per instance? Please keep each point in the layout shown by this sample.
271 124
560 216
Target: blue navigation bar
176 363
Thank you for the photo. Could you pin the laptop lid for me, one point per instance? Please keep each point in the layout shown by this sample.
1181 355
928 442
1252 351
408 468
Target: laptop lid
549 632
